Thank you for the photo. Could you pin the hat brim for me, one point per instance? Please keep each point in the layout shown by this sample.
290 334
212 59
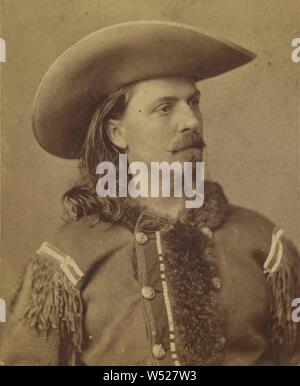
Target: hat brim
116 56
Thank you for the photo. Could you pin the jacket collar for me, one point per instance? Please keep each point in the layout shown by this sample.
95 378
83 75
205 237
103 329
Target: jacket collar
212 214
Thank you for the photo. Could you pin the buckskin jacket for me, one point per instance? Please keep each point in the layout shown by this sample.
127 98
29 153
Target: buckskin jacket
214 287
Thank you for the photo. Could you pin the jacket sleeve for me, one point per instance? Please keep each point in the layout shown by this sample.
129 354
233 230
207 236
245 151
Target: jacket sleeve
282 269
45 323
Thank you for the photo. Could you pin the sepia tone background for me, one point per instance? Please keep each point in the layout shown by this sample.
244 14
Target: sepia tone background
251 115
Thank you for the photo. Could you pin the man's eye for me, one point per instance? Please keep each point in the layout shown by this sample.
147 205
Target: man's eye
164 108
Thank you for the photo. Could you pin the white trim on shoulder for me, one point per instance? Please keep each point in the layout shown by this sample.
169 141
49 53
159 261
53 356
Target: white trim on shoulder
274 257
67 264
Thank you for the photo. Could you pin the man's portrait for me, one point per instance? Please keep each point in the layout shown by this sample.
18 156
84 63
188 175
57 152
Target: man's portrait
150 206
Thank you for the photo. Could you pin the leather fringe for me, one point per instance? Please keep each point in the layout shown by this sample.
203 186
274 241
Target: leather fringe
55 304
283 329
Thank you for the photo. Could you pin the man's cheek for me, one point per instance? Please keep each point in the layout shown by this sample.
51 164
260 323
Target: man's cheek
138 152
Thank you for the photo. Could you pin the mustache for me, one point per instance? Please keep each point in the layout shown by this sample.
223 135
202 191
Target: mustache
186 142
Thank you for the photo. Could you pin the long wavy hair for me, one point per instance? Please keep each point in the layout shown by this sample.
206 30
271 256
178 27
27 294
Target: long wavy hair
82 200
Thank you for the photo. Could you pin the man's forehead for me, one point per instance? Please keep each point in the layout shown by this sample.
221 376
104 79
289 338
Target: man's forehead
152 89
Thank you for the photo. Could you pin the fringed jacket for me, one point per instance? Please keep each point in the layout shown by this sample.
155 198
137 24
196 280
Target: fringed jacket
214 287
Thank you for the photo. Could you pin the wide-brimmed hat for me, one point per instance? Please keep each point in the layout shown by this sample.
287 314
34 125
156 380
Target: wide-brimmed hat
114 57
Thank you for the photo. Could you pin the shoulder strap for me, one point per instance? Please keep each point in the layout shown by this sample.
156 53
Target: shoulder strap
67 264
274 258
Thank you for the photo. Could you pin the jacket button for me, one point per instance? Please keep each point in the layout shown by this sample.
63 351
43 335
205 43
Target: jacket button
207 232
158 351
141 238
222 341
216 282
148 293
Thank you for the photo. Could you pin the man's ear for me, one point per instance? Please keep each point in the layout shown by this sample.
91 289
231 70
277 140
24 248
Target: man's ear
116 133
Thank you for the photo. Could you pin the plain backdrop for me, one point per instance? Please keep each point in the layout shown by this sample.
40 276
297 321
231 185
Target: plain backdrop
251 115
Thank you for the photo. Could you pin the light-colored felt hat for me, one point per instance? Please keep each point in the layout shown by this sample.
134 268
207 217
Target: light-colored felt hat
114 57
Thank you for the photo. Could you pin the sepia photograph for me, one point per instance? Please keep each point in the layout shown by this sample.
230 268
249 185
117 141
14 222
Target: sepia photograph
150 184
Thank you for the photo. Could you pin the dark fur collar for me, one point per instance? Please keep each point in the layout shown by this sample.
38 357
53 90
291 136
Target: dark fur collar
191 267
212 214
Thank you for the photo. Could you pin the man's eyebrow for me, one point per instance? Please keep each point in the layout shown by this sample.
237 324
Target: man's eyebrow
197 94
174 98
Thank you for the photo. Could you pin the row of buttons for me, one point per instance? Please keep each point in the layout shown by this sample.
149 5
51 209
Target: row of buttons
157 349
148 292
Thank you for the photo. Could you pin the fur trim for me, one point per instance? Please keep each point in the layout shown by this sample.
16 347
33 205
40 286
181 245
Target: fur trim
212 214
214 211
190 269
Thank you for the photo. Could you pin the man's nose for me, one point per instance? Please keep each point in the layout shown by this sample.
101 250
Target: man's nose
190 119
